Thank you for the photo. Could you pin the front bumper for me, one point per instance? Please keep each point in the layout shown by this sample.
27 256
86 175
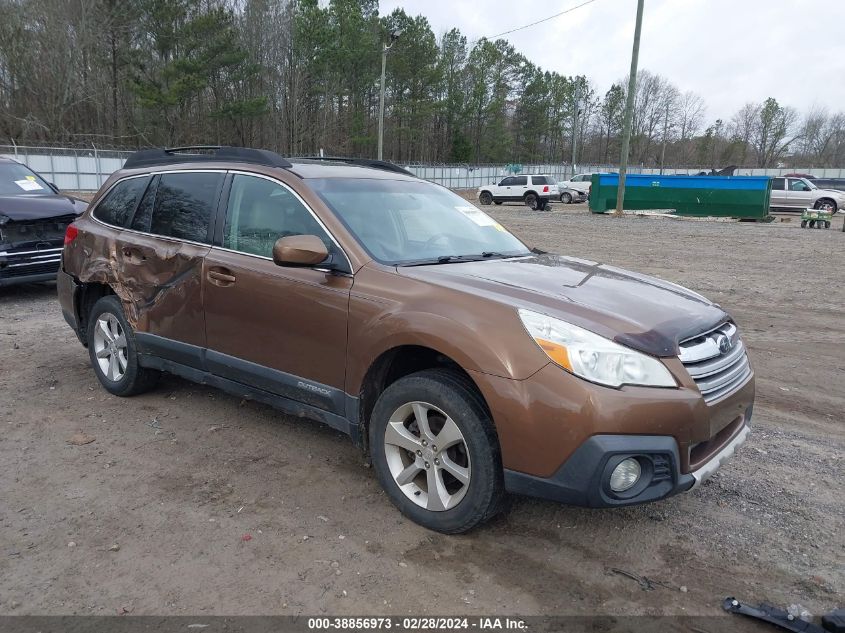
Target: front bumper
582 480
558 434
30 264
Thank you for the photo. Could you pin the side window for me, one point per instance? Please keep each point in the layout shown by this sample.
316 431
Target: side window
506 182
261 211
540 180
797 185
144 212
778 184
117 207
520 180
183 206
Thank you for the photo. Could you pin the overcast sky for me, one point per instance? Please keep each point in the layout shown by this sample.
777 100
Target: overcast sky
729 51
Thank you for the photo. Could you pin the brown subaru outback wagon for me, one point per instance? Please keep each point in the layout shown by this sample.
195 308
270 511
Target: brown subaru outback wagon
466 364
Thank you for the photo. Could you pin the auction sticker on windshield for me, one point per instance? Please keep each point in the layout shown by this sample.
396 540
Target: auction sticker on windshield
28 184
481 219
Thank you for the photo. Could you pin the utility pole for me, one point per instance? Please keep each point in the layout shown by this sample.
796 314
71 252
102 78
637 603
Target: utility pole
629 111
575 112
665 130
394 35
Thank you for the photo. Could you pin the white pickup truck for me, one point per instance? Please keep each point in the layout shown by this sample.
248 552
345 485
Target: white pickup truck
533 190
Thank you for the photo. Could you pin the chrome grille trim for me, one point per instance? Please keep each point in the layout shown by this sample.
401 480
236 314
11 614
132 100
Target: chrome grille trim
717 374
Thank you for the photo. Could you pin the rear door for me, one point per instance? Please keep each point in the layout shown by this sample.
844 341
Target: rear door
519 188
778 198
282 329
160 261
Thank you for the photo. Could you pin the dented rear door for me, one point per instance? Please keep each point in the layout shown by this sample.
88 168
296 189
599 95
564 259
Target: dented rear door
161 260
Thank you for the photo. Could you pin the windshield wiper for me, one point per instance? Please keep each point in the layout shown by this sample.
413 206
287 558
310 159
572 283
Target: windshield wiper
457 259
444 259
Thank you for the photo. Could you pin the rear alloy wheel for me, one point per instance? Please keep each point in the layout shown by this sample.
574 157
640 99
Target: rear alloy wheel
566 197
113 352
531 201
435 451
485 198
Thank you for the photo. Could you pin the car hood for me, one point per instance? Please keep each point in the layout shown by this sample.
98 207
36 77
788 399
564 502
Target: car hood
40 206
832 192
639 311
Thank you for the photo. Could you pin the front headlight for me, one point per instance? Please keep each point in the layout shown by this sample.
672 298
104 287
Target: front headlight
594 357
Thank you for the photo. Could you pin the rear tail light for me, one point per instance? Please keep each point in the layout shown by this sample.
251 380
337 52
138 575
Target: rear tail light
546 189
70 233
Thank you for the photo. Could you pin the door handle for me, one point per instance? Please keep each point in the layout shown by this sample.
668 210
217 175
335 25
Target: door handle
221 278
131 254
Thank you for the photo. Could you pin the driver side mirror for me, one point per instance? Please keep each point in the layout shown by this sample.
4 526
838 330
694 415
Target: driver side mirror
299 250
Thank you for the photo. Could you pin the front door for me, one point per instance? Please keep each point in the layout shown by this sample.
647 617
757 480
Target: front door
799 195
281 329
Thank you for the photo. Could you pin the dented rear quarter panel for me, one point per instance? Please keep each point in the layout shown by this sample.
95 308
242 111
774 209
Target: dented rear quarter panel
159 281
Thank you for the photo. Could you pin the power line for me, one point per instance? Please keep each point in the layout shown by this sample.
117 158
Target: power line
551 17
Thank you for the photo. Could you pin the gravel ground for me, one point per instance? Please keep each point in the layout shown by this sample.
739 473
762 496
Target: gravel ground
189 501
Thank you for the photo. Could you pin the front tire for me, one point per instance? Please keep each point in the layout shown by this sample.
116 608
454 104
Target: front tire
485 198
566 197
114 352
435 451
825 204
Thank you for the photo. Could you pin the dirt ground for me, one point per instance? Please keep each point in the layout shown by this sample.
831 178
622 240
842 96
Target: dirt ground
190 501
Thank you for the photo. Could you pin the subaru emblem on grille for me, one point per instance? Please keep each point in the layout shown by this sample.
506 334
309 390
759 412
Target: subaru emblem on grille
724 343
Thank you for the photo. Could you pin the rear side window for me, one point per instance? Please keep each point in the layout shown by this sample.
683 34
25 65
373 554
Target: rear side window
540 180
778 184
183 206
117 207
520 180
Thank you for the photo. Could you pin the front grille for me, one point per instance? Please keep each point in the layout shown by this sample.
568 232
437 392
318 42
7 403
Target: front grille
716 361
30 269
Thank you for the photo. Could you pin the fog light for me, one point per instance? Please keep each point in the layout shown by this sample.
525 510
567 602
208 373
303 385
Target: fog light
625 475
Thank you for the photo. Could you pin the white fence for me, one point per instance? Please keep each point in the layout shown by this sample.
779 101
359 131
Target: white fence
83 169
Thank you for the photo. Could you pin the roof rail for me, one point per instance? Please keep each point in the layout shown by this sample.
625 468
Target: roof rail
204 154
363 162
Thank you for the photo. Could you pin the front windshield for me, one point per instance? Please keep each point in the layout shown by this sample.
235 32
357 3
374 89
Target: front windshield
15 179
406 222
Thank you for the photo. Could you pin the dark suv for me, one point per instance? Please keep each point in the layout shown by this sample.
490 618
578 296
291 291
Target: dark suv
463 362
33 220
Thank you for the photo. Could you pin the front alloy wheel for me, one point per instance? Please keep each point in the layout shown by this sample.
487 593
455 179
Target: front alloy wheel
427 456
435 451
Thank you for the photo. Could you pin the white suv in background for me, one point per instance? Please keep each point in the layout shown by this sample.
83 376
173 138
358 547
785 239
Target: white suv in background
534 190
579 182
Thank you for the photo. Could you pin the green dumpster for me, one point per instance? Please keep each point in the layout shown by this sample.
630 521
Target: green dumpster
722 196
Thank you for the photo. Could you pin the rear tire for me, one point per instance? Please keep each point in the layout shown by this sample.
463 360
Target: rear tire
408 462
114 352
497 202
485 198
531 201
